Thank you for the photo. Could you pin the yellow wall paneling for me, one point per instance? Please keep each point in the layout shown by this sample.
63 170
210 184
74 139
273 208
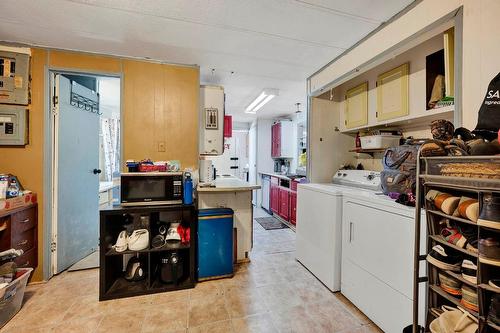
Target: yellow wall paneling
356 106
159 104
392 93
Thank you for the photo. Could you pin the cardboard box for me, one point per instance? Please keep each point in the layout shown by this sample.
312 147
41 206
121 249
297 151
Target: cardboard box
17 202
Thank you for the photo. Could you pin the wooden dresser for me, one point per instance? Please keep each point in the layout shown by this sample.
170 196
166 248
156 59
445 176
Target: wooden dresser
18 230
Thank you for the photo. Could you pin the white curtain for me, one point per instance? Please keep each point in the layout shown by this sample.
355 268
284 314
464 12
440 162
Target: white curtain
110 130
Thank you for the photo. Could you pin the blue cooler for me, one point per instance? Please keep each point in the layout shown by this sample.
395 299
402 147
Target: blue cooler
215 243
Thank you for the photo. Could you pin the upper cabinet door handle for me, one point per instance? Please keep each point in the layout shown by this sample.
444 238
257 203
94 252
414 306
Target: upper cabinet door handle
25 220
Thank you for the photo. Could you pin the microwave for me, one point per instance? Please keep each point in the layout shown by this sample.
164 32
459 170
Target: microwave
151 188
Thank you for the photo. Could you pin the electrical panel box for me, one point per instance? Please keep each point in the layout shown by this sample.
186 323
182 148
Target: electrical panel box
13 125
211 120
14 78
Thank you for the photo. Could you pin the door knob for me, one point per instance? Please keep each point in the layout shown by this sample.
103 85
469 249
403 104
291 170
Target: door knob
97 171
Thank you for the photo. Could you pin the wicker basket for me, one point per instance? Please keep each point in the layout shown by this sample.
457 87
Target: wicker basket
484 170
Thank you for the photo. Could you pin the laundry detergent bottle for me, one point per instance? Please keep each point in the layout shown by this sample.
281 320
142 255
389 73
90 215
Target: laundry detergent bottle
188 189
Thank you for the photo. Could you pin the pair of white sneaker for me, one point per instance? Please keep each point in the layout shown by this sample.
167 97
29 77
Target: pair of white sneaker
137 241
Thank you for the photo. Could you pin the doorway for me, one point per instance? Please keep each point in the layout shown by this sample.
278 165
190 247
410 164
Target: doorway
85 163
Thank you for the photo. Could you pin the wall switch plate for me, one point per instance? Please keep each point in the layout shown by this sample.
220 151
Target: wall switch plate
161 146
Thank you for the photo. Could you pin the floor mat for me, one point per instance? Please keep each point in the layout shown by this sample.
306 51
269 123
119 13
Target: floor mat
270 223
90 261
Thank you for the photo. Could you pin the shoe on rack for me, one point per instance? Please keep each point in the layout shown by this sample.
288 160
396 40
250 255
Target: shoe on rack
459 236
494 312
134 271
472 246
439 258
139 240
453 320
495 283
469 271
449 284
489 251
467 208
121 242
454 236
173 233
490 212
447 203
469 298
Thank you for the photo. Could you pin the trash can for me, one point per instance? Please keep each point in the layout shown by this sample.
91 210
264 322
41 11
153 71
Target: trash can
215 243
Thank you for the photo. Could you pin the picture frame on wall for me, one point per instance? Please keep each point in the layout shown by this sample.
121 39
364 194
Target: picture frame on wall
393 92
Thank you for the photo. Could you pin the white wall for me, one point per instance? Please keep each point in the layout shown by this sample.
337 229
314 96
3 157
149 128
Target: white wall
235 146
481 46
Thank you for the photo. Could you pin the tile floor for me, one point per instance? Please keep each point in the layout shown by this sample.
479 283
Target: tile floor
272 293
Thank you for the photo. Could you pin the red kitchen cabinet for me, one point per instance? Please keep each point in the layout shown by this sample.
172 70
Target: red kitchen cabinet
284 204
276 140
228 126
293 208
275 204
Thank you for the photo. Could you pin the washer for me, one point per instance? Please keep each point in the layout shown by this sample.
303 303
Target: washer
319 222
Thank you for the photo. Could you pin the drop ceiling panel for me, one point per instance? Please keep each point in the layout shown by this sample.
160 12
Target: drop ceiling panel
267 43
280 19
372 10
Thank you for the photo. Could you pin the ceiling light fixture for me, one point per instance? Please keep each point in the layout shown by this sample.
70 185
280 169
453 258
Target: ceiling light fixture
265 96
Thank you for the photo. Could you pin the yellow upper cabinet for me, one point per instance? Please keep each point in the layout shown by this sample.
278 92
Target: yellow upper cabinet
392 93
449 61
356 106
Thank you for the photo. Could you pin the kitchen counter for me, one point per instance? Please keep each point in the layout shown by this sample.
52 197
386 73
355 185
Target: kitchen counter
232 192
229 184
281 176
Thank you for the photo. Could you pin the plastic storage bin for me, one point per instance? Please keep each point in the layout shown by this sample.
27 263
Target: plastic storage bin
215 243
12 299
379 141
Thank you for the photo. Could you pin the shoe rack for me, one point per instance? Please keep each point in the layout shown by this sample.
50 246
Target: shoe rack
460 184
112 282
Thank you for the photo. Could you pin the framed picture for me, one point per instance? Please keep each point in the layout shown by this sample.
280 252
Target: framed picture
392 93
211 118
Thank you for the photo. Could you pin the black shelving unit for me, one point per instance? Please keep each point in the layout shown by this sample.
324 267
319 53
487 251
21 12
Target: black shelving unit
112 283
431 178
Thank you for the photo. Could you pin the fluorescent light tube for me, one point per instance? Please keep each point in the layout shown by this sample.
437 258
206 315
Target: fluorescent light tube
256 101
265 96
267 99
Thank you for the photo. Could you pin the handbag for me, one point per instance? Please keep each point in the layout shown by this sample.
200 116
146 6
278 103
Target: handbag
454 320
400 165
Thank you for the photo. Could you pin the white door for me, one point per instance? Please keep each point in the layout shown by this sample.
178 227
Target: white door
75 174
